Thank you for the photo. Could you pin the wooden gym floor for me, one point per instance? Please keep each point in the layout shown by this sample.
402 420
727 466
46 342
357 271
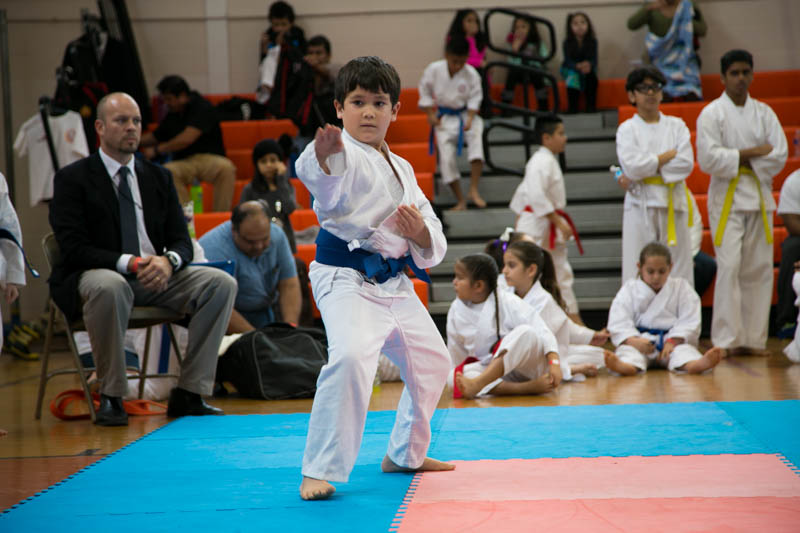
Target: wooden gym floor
38 453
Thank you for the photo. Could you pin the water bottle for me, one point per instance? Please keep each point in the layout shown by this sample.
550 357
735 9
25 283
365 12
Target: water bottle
196 192
616 172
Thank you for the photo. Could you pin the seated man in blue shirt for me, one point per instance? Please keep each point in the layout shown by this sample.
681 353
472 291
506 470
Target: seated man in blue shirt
265 269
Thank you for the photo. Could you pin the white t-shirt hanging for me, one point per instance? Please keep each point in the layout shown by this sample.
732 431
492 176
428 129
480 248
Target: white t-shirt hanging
69 141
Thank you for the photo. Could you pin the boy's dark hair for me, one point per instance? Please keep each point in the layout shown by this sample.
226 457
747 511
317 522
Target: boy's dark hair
246 209
457 46
547 123
654 249
281 10
457 28
321 40
174 85
733 56
531 254
370 73
639 74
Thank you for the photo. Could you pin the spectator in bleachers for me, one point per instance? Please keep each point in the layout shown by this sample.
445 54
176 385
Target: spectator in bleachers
579 68
191 134
264 268
671 43
655 320
466 24
655 152
282 32
271 185
450 94
789 210
524 39
741 144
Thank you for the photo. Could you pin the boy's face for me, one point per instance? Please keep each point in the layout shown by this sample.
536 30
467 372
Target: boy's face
556 141
455 63
366 115
280 26
316 55
737 78
647 95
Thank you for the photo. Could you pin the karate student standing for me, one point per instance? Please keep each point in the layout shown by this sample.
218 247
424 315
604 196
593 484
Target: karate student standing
655 152
374 222
540 200
450 94
654 320
741 143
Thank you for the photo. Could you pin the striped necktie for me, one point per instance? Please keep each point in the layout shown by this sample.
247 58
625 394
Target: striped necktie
127 215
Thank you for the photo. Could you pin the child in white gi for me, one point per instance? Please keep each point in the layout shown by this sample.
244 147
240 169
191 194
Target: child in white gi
498 343
374 222
655 152
540 200
12 262
654 320
450 94
529 272
792 351
741 143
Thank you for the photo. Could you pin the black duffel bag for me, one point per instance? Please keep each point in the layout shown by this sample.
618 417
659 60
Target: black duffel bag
276 362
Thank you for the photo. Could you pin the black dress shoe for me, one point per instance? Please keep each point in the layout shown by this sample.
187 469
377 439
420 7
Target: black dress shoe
111 412
185 403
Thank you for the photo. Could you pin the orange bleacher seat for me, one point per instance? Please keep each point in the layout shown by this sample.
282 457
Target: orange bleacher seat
698 180
416 154
203 222
242 158
409 96
410 128
245 134
421 288
301 195
237 191
425 182
303 218
306 253
766 84
702 205
216 98
792 164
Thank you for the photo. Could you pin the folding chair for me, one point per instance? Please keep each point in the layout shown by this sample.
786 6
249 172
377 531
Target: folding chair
141 317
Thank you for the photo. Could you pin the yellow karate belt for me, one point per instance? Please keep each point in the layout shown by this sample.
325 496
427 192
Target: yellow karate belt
672 235
728 203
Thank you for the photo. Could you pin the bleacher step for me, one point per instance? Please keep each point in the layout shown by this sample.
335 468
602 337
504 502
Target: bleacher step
580 155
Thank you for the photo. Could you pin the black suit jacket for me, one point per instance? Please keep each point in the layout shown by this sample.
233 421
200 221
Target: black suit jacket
84 215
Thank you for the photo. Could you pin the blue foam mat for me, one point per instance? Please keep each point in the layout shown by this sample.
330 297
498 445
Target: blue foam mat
241 473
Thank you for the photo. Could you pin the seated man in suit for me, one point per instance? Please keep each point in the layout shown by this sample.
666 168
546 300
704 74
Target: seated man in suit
124 242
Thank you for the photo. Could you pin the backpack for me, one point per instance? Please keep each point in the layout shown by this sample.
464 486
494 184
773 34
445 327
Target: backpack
276 362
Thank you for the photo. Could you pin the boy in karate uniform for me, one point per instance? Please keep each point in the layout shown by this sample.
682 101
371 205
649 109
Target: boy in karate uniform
450 93
655 152
375 221
540 200
741 143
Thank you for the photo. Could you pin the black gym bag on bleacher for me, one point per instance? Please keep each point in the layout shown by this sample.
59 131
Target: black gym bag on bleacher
276 362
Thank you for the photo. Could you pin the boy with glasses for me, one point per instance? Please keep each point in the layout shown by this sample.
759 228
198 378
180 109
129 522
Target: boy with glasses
655 153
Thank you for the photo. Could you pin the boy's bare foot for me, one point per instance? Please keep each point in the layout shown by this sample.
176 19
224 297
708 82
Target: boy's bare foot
614 363
710 359
586 369
461 206
477 200
428 465
469 387
315 489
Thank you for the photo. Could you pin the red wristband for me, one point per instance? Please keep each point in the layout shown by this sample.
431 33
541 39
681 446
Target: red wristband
135 265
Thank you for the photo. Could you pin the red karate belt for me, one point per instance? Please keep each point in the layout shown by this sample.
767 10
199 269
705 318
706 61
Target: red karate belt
568 218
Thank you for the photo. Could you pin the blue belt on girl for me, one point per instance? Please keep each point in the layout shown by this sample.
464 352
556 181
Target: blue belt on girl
659 332
441 111
333 251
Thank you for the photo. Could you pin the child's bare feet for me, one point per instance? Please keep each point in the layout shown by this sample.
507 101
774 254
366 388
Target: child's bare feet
428 465
710 359
315 489
586 369
460 206
614 363
477 200
469 387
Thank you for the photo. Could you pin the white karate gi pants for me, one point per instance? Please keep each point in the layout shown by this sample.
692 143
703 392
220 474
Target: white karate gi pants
682 354
579 354
564 275
447 144
792 351
743 290
641 225
361 321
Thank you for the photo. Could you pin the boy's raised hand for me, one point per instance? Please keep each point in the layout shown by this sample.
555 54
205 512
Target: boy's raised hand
412 226
327 141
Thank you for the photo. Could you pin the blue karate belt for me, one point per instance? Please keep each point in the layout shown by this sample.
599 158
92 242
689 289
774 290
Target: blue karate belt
455 112
659 332
333 251
5 234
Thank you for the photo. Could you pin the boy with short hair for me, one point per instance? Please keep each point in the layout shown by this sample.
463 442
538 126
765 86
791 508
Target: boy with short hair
540 200
374 221
655 152
281 35
450 94
741 143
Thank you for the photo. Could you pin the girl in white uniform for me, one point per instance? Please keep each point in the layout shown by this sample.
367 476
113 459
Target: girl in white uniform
528 271
654 320
374 221
498 343
655 152
792 351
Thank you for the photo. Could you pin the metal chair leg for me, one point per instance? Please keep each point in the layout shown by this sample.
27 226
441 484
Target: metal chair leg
48 339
